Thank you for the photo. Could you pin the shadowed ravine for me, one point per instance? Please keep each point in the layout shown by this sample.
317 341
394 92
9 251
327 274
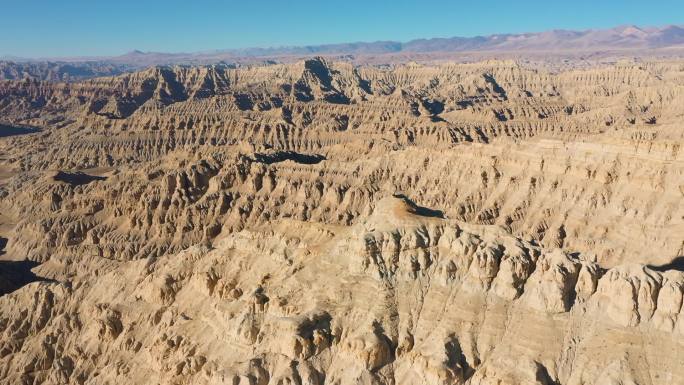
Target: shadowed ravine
6 131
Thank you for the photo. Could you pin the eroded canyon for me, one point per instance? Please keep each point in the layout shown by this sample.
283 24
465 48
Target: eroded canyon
321 222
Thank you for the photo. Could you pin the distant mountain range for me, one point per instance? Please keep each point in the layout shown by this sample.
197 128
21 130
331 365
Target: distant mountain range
615 38
623 37
620 38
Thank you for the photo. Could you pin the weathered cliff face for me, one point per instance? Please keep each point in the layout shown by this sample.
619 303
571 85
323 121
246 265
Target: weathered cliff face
318 223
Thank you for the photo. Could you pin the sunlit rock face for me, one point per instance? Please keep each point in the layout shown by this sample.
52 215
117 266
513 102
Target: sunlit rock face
323 223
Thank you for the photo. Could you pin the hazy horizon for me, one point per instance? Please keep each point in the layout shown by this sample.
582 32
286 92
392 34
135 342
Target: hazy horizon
82 29
324 44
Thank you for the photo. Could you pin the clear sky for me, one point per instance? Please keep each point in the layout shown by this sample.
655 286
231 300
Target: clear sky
48 28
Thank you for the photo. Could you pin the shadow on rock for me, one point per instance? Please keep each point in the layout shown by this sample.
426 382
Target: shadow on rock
420 210
289 155
675 264
76 178
16 274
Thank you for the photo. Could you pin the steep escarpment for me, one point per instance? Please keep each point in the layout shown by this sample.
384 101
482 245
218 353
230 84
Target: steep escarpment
318 222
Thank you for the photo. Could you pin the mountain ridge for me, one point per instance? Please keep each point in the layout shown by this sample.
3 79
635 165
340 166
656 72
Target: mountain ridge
616 38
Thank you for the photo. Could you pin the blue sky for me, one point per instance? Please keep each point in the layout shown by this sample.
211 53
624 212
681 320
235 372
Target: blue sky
48 28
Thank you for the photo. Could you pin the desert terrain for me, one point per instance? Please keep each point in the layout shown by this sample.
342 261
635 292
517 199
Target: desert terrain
324 221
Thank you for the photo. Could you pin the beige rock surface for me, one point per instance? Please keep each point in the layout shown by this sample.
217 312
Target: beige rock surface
321 223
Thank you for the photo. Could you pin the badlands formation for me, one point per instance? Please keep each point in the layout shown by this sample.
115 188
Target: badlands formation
323 223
